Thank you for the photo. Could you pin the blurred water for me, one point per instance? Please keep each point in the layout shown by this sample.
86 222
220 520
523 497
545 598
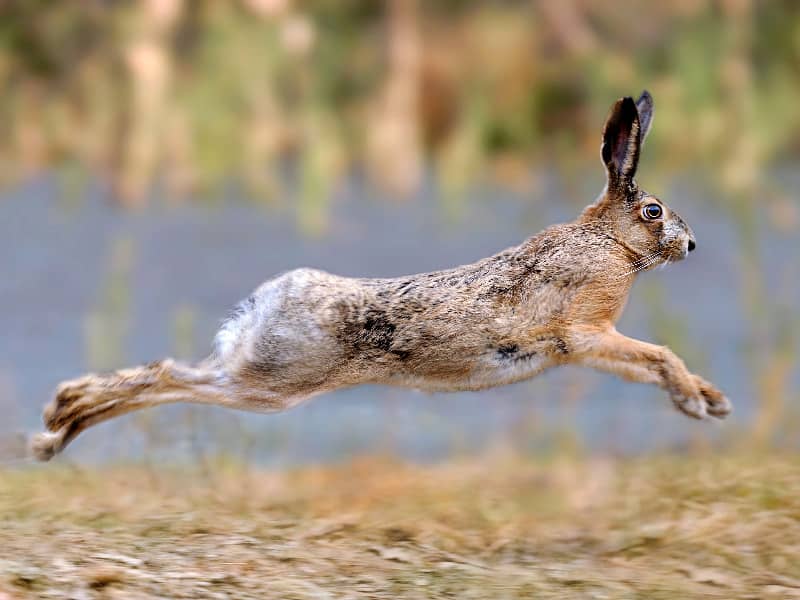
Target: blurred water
87 286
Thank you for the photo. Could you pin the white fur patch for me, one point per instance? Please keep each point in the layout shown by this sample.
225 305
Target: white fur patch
508 371
673 229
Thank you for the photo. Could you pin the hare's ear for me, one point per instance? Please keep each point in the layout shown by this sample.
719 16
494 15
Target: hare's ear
644 105
621 141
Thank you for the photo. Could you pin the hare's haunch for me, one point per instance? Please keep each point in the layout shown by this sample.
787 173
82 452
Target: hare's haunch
552 300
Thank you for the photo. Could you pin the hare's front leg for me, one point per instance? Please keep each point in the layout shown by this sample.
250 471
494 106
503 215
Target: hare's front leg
634 360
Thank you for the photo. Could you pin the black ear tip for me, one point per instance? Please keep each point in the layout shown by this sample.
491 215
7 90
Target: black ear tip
628 106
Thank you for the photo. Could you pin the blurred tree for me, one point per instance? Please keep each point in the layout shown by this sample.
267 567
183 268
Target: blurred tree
193 94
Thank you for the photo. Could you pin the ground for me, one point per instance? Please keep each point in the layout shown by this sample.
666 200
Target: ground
697 526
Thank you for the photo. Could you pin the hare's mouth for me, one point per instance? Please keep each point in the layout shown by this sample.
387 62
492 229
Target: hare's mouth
676 251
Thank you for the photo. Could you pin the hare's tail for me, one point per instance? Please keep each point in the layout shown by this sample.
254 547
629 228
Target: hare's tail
88 400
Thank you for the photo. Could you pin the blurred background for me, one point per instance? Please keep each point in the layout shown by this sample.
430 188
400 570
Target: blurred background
160 158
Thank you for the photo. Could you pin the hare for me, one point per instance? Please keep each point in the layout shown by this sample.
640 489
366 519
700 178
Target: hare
552 300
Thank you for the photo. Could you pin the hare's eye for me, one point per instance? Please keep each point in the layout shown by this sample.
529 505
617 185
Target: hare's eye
652 211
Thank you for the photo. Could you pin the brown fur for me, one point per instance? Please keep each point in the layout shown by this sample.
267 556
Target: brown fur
552 300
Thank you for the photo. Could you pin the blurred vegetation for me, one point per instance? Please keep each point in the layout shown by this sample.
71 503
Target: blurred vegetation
108 323
696 526
186 96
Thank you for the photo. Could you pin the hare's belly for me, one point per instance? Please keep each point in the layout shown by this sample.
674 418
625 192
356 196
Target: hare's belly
500 370
486 372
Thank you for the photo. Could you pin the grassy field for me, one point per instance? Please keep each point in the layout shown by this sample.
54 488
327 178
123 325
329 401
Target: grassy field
493 527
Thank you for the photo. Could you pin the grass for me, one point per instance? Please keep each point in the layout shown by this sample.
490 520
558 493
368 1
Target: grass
493 527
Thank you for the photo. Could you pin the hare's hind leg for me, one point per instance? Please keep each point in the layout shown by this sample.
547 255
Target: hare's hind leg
634 360
91 399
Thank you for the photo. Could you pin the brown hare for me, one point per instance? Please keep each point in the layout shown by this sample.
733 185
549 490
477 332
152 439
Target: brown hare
552 300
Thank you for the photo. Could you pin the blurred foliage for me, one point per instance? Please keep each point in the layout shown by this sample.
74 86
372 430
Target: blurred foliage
502 526
108 323
188 95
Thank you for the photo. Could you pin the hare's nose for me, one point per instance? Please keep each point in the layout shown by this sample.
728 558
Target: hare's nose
692 244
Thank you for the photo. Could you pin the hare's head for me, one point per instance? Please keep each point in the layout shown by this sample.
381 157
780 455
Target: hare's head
636 219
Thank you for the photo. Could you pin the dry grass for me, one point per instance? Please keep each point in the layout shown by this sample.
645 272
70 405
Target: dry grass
497 527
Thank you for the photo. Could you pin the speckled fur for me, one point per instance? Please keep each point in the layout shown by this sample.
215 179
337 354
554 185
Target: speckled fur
552 300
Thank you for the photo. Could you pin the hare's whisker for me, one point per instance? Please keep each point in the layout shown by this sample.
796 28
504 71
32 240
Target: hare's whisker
646 258
641 264
643 260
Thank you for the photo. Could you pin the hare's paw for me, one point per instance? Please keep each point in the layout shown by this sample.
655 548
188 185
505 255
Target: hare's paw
45 446
707 401
717 404
691 406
